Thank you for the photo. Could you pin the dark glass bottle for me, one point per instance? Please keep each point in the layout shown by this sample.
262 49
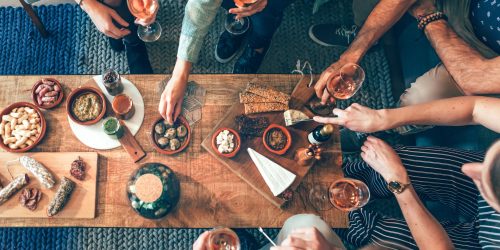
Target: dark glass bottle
320 134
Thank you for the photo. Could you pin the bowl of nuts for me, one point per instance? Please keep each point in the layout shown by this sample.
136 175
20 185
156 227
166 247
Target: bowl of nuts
22 127
47 93
168 138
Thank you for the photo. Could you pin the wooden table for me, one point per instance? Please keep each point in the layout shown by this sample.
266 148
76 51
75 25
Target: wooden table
210 194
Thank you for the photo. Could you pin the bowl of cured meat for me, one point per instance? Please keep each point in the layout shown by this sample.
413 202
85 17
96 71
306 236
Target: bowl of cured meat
22 127
47 93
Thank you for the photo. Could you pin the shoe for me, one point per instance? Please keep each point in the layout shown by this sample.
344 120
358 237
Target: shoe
328 34
350 141
116 44
138 59
249 61
227 46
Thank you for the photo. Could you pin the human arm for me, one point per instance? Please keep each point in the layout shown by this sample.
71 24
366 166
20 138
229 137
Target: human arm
456 111
103 16
474 73
198 16
385 14
425 229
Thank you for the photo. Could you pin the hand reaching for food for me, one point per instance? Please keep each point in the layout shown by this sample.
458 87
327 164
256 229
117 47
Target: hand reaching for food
357 118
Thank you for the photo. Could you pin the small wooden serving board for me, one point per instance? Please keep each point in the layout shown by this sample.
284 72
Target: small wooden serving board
243 166
82 204
128 141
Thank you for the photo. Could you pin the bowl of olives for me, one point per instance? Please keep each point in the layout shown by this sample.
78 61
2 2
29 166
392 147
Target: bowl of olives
168 138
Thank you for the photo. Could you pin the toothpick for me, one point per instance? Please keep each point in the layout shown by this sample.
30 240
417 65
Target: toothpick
267 237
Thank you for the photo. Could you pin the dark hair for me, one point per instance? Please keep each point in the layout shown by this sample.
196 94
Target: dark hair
495 176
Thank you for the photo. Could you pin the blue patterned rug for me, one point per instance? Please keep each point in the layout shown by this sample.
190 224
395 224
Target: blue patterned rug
76 47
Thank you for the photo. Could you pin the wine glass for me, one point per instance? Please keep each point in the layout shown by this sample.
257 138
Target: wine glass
345 194
144 9
238 26
349 81
223 238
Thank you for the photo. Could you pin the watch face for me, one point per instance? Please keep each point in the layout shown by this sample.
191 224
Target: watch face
395 187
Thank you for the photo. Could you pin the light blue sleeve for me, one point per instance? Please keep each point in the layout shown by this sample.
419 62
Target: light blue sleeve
198 16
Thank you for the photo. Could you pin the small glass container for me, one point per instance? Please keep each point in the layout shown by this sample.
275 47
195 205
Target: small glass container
112 127
113 82
153 190
123 107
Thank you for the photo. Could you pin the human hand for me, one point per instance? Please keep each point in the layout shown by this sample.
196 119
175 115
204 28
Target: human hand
383 159
201 242
357 118
151 19
244 11
422 8
170 105
102 16
305 238
331 75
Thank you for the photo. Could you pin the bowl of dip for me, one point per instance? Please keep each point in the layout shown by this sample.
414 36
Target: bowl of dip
277 139
226 142
123 106
86 105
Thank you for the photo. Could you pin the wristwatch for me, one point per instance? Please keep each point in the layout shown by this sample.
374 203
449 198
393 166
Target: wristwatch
397 187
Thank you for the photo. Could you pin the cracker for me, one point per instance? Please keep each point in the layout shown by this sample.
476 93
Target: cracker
268 93
252 108
247 97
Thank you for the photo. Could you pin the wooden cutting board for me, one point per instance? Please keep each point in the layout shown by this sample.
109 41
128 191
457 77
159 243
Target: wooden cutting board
82 203
243 166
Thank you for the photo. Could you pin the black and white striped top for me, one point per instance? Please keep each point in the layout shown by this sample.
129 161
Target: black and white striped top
489 225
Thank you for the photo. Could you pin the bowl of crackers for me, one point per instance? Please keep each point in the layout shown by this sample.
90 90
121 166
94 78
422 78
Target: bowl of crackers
22 127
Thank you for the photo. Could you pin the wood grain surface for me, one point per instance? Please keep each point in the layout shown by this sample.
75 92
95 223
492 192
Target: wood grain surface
211 195
82 204
243 166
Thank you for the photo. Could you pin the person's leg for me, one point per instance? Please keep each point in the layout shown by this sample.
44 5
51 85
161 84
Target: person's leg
228 44
435 173
306 221
331 34
367 227
137 54
435 84
263 26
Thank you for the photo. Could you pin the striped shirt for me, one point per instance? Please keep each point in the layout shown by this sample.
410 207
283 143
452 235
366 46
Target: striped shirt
489 225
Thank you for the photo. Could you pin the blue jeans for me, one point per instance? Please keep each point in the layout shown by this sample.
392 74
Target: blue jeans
264 23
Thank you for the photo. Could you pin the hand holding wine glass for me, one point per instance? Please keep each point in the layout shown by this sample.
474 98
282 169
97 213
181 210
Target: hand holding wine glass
145 12
341 80
247 8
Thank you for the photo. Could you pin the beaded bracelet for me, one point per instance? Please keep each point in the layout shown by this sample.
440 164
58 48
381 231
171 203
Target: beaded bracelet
426 19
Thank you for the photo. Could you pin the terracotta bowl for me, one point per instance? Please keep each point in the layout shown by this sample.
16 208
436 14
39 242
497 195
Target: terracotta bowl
59 98
288 139
43 123
79 91
237 142
180 120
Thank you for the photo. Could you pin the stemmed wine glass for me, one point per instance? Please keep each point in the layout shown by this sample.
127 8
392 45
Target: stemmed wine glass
349 81
144 9
223 238
345 194
238 26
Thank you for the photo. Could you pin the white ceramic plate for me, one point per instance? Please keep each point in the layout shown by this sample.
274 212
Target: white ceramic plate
93 136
